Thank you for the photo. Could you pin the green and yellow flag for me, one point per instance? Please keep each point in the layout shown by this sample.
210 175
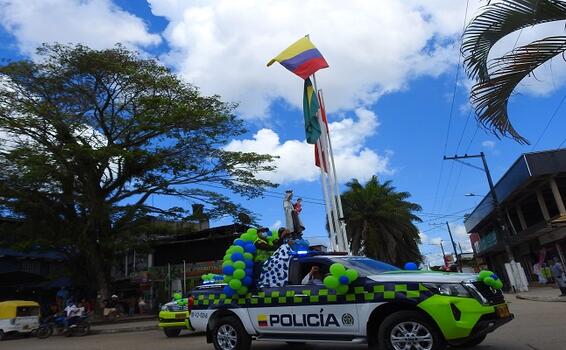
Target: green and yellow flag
310 109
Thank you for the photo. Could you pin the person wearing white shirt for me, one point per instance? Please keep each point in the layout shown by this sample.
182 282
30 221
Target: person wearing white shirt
313 277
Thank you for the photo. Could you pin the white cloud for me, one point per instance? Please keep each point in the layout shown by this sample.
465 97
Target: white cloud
276 225
373 47
488 144
96 23
296 158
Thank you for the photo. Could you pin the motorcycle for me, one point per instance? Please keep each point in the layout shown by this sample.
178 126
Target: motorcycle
79 326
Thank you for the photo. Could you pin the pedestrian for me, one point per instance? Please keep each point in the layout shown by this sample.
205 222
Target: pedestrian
537 270
559 277
61 298
141 305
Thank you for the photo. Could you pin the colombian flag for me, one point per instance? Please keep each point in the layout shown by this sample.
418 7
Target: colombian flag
310 110
301 58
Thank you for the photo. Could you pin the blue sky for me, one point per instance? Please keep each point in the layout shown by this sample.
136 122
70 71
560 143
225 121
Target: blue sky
388 91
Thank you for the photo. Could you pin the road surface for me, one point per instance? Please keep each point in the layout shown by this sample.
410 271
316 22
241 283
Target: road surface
537 326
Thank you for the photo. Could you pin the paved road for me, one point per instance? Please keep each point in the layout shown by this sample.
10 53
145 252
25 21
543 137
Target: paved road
537 326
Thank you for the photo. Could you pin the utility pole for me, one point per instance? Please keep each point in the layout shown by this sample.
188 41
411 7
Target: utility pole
454 246
501 226
443 254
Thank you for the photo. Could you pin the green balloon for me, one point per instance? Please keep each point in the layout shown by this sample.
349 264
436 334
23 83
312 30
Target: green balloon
230 250
275 234
235 284
227 263
342 289
248 256
238 249
177 296
227 278
239 274
352 275
203 277
498 284
331 282
227 257
243 290
484 274
252 231
489 281
337 270
239 265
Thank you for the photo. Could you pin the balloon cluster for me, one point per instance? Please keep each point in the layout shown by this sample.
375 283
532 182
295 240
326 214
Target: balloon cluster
491 279
340 278
210 278
238 264
178 298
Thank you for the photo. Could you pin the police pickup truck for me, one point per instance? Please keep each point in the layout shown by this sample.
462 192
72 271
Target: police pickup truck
385 307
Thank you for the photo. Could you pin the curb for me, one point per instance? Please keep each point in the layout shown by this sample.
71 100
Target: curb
543 299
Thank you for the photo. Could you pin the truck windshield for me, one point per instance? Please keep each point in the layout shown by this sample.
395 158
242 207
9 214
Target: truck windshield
364 266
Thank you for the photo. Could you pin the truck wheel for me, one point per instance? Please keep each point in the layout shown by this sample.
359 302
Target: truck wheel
229 334
409 330
172 332
471 343
2 335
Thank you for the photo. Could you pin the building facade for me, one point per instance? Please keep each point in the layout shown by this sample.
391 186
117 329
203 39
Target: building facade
531 220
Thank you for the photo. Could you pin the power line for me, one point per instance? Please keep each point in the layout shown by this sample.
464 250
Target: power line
450 115
549 121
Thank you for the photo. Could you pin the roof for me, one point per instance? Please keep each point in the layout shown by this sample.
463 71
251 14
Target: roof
32 254
524 170
18 303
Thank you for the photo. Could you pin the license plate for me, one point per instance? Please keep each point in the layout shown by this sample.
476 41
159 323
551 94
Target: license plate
502 311
180 316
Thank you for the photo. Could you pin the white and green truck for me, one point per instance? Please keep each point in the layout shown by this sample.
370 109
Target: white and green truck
385 307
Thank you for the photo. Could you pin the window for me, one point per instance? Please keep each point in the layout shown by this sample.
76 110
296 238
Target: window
364 266
24 311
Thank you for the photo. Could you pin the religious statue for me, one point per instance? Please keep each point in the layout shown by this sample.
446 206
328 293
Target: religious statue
292 221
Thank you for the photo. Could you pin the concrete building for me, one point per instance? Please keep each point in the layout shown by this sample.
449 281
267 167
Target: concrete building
531 196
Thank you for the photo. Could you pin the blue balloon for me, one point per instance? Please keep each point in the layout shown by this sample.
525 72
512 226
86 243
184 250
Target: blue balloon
411 266
344 280
250 248
228 270
240 243
229 291
249 271
218 277
237 257
249 263
247 281
495 277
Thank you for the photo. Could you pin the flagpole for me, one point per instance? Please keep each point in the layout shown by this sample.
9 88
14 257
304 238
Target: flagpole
331 171
331 227
338 199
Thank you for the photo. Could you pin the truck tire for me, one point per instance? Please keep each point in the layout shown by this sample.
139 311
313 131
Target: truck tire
471 343
228 333
409 330
171 332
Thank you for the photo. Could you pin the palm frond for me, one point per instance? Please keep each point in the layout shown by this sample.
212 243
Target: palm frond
490 98
498 20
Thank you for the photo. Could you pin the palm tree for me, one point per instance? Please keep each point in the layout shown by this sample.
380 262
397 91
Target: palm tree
497 79
379 222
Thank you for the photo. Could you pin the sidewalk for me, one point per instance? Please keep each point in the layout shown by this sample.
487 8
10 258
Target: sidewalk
547 293
123 327
132 326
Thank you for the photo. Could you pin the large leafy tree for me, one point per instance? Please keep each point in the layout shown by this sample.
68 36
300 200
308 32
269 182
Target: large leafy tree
496 80
89 136
380 222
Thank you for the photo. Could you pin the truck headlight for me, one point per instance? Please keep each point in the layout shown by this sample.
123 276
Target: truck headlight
450 289
165 308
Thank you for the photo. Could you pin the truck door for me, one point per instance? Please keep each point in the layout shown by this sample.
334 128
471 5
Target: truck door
271 311
320 308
